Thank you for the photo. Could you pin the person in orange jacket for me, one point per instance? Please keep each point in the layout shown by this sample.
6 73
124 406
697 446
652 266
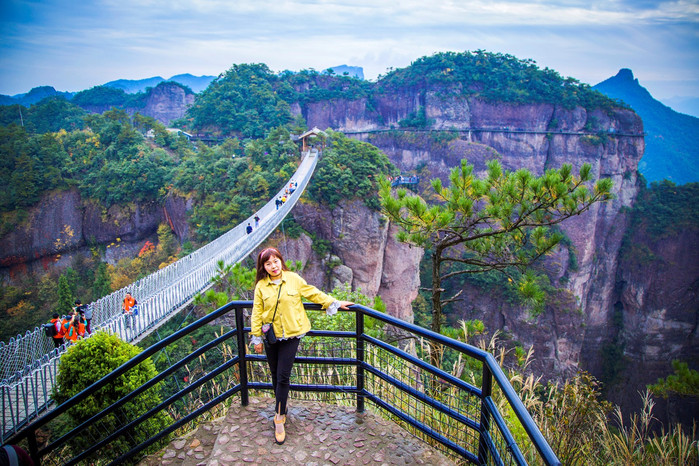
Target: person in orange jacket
58 336
128 307
72 329
65 323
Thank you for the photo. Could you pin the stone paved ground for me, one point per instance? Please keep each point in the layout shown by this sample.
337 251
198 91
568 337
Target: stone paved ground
317 434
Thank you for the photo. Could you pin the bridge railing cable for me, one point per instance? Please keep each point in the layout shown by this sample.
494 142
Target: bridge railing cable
28 362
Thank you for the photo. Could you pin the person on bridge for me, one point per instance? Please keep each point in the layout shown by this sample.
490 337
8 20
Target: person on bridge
278 303
128 307
58 336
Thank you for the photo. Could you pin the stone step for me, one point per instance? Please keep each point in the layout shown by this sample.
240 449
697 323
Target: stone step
316 434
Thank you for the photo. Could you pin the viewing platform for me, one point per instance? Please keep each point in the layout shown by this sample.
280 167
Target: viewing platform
317 433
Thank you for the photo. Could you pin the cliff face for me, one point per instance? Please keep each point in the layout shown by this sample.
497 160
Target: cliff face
657 314
657 305
370 259
62 225
571 334
165 103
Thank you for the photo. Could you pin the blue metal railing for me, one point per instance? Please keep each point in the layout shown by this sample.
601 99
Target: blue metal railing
470 424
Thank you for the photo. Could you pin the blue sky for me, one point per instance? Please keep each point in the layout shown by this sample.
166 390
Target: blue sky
74 45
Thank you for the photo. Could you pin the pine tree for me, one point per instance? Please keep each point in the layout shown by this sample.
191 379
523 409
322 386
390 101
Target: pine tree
65 296
501 223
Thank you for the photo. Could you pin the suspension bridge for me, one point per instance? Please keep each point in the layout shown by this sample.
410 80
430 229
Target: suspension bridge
29 362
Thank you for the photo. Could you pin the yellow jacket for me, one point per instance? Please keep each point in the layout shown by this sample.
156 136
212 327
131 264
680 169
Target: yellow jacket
291 319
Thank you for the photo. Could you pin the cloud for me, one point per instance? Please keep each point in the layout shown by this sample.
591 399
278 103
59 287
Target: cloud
53 42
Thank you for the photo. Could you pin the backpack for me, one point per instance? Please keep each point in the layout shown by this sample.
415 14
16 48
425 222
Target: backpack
49 329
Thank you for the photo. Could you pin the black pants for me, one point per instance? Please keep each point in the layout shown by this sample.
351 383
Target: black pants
281 357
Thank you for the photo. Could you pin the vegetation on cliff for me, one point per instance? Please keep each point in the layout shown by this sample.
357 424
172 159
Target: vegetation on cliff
349 170
494 77
247 101
87 362
501 223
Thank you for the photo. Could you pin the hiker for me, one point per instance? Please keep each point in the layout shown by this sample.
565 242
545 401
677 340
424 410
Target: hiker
257 220
248 228
56 334
72 328
129 308
85 312
283 314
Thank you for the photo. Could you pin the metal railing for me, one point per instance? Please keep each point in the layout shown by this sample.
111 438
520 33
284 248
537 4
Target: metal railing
28 362
464 419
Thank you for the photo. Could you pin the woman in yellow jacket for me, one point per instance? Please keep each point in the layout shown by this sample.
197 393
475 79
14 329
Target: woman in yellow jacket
278 300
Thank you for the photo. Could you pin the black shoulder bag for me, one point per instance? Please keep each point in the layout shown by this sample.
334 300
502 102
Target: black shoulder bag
270 337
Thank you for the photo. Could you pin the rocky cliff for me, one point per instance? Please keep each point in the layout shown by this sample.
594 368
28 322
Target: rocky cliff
62 225
573 332
597 288
364 254
166 102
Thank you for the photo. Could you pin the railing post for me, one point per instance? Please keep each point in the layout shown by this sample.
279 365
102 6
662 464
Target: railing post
359 316
486 392
242 355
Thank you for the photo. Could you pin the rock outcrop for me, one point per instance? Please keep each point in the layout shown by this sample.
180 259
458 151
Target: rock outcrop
166 102
366 254
62 225
570 335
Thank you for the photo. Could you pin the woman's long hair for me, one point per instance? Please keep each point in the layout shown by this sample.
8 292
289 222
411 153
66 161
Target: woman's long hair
263 257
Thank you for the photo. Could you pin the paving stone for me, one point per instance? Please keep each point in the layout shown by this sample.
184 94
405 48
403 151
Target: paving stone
317 434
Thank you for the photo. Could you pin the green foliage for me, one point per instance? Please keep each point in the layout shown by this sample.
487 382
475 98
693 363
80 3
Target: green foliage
346 321
495 77
416 120
109 97
231 282
85 363
244 101
349 170
29 166
666 209
66 295
48 115
684 382
102 283
229 189
310 86
498 223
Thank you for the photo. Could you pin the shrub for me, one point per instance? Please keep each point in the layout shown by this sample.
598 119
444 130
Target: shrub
87 362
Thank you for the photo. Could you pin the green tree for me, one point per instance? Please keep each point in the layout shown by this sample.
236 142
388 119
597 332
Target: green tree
684 382
349 169
65 296
87 362
102 285
499 223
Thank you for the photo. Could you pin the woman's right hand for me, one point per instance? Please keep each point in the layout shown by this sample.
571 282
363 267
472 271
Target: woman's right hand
258 348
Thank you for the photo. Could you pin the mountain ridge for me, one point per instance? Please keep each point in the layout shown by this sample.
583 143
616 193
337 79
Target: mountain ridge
671 136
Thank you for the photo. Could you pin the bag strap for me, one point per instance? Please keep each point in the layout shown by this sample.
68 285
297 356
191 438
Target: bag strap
277 305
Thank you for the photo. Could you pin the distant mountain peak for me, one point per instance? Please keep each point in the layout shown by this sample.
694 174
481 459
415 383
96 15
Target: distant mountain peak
671 137
626 74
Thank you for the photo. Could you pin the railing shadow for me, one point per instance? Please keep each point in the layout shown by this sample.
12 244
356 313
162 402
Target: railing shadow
375 358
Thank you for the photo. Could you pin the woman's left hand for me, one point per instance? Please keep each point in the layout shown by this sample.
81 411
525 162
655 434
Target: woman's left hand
346 304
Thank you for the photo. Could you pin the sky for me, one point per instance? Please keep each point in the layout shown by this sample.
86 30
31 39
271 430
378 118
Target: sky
75 45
